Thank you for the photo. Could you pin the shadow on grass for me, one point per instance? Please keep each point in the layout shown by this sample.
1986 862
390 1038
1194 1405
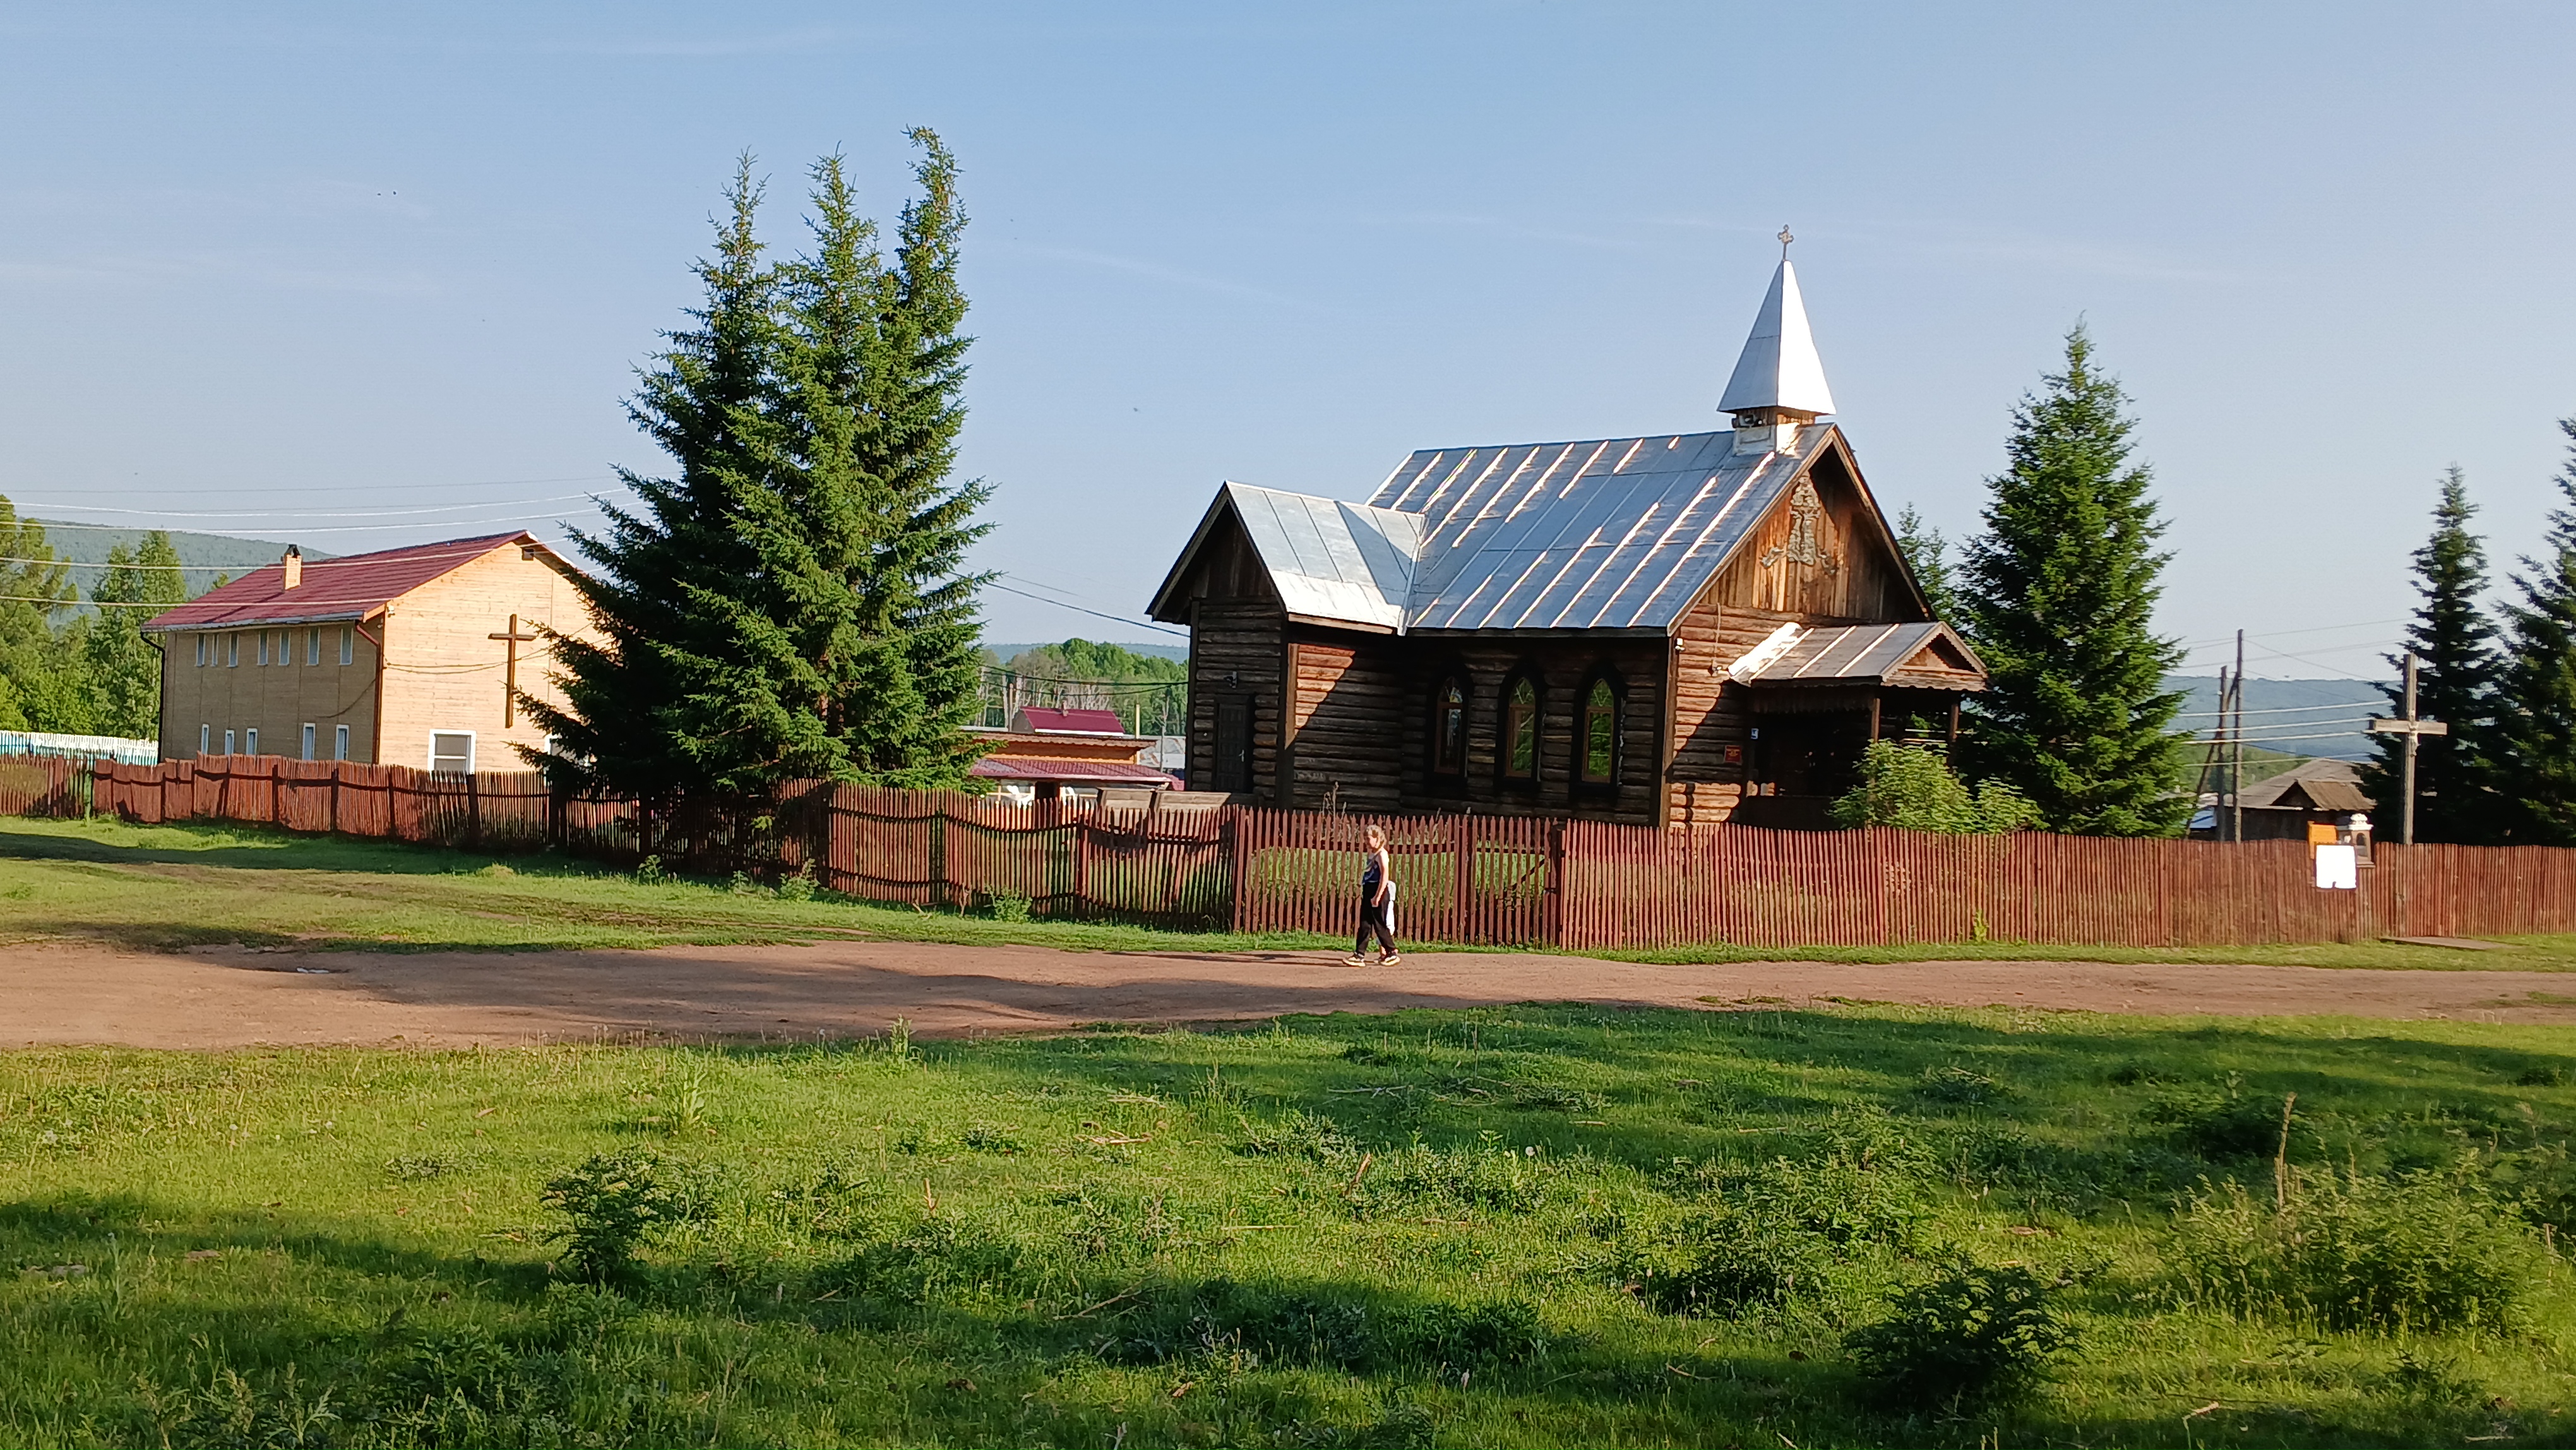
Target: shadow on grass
261 848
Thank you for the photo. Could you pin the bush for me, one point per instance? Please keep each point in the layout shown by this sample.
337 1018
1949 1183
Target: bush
1912 788
799 886
1970 1334
613 1200
2419 1254
2218 1122
649 872
1008 908
1725 1262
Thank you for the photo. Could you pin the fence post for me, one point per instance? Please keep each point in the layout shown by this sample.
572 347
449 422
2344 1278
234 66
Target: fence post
1236 886
1553 923
938 867
473 810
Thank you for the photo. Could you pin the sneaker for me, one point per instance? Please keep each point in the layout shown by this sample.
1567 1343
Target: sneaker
1355 960
1389 960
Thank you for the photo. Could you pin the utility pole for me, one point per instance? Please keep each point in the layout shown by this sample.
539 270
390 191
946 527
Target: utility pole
2236 747
2414 730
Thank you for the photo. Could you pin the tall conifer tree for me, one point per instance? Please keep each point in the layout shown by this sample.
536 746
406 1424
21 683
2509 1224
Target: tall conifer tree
2455 680
1927 553
2532 759
835 636
652 710
2059 597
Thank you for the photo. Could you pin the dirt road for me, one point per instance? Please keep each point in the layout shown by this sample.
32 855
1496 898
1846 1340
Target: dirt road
57 994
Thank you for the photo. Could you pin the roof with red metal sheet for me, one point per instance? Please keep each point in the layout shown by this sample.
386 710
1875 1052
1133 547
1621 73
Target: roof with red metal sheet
350 587
1072 722
1029 767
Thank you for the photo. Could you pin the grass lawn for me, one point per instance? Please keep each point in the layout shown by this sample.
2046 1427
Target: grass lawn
1533 1226
170 887
164 888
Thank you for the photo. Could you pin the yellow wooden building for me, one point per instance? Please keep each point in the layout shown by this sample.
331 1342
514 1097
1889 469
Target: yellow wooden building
411 656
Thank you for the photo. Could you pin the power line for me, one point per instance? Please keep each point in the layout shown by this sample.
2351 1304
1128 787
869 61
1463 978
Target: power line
1094 613
443 508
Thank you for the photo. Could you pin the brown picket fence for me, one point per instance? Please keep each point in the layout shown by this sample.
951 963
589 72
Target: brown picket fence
42 785
1490 880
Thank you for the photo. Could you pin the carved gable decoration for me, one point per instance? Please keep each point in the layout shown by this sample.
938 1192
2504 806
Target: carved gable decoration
1806 541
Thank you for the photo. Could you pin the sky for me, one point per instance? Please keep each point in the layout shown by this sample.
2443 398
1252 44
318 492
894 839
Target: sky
358 276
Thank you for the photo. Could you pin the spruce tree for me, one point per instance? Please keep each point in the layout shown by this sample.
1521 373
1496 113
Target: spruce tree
795 599
1927 553
2454 645
120 669
2531 759
919 611
2059 597
651 709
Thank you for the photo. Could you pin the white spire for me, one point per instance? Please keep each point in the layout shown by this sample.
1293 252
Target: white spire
1779 368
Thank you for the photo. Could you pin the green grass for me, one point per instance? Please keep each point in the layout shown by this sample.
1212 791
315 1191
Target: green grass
1433 1228
167 888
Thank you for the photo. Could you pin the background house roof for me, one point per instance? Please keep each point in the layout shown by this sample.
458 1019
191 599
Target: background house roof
346 588
1042 721
1024 767
2268 791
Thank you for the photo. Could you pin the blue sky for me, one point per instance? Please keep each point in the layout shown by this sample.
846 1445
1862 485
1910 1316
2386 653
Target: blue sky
316 261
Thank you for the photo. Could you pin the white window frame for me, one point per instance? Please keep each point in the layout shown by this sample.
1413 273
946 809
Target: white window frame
201 651
263 647
339 742
232 651
313 645
205 740
228 742
348 644
250 740
470 744
308 740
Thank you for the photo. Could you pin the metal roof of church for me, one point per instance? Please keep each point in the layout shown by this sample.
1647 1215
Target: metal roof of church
1608 533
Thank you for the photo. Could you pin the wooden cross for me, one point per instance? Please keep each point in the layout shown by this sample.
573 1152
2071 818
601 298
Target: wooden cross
510 670
2414 730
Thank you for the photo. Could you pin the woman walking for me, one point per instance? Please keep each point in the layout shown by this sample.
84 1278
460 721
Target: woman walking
1377 905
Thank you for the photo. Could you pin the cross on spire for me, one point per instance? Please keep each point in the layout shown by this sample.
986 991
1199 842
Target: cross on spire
1785 240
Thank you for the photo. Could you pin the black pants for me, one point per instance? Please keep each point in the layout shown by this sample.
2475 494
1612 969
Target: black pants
1380 919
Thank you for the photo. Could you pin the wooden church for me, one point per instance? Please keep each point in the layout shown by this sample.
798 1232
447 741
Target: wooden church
1672 630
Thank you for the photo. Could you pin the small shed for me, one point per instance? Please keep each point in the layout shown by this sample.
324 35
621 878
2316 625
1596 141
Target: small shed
2313 793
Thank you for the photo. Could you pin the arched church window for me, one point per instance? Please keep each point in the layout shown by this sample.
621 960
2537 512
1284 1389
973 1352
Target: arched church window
1449 727
1600 734
1520 729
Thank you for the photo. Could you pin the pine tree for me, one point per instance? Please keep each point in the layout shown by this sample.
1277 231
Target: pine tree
2455 678
2531 760
1927 553
2059 596
39 684
652 710
121 671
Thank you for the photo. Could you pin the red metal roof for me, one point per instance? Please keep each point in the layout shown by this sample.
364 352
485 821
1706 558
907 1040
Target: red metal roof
351 587
1029 767
1075 722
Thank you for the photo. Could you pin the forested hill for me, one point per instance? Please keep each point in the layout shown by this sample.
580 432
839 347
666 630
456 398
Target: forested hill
207 557
2305 717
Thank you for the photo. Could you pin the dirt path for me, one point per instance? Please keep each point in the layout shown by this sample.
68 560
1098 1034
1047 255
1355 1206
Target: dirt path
57 994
